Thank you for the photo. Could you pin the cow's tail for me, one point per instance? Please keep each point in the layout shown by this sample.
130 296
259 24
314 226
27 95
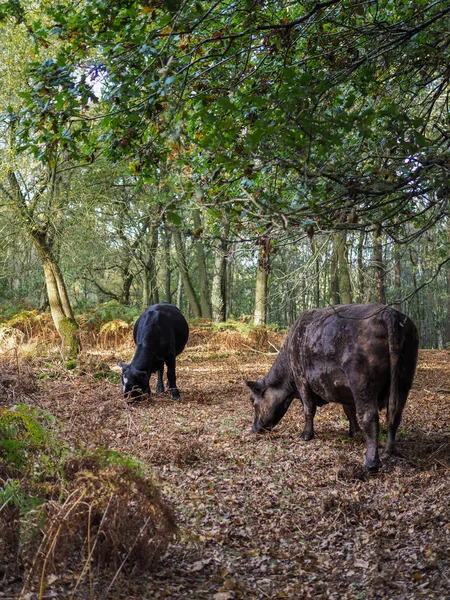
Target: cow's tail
395 322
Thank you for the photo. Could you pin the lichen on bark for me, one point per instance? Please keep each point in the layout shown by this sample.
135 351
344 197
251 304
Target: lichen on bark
68 330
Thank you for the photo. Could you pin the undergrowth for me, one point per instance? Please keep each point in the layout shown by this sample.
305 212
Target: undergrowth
59 505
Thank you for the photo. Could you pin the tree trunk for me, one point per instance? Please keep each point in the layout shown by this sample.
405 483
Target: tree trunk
361 278
262 276
397 277
150 293
316 271
334 278
379 265
205 302
167 266
127 280
345 286
184 272
219 284
58 298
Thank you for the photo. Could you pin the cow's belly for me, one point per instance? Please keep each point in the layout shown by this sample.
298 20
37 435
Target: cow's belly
331 386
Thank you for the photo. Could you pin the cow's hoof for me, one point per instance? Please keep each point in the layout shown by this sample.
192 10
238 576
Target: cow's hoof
159 389
306 436
372 466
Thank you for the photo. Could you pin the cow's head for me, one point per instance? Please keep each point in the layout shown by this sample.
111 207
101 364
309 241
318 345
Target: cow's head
135 383
270 404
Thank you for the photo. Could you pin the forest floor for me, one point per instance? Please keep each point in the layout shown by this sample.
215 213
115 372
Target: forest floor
271 516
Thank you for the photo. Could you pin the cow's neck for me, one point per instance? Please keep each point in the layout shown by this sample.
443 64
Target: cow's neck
280 374
142 358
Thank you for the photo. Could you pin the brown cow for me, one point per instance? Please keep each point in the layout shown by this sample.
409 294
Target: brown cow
362 356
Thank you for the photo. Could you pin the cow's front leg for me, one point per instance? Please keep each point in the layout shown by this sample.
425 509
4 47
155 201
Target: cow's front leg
160 385
309 410
172 378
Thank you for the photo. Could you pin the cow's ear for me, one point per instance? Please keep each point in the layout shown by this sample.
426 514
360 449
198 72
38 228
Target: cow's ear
257 386
123 365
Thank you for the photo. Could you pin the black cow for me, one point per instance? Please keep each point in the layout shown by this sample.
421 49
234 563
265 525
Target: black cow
362 356
160 334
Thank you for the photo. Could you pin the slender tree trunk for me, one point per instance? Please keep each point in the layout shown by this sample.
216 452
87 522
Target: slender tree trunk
262 276
334 277
345 287
361 278
316 271
219 284
127 280
179 290
205 302
167 266
150 293
184 272
397 277
378 265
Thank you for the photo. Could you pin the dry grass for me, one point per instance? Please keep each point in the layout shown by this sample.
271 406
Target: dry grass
111 520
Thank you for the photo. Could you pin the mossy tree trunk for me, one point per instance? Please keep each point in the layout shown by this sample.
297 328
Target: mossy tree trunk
58 298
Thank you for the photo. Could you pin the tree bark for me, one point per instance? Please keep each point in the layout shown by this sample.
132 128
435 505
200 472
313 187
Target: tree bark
345 286
361 277
167 266
262 276
316 271
150 293
184 272
58 298
219 284
334 276
397 277
378 265
205 302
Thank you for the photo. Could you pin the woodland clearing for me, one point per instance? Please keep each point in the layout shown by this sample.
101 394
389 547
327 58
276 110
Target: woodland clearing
262 516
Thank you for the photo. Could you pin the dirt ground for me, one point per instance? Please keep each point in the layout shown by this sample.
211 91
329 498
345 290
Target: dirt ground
270 516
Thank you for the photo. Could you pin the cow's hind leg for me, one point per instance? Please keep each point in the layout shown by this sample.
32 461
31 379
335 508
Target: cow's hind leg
367 409
350 412
172 378
393 418
160 385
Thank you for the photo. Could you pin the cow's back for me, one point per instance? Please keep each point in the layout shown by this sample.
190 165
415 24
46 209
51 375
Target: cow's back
329 346
162 325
